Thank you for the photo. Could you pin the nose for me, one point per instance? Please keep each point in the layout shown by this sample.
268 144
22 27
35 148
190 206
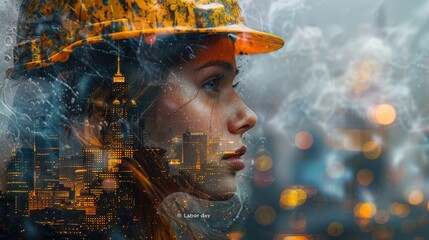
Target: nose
242 117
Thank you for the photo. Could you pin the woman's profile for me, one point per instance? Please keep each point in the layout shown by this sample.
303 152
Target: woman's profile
126 122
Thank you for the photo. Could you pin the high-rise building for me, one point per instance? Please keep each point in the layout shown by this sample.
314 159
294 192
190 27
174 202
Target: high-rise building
40 199
107 195
20 181
137 124
117 202
46 154
95 161
120 107
86 202
194 149
48 192
79 181
68 167
164 137
57 198
95 186
4 210
214 152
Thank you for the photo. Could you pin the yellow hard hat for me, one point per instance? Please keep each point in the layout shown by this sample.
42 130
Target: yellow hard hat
49 30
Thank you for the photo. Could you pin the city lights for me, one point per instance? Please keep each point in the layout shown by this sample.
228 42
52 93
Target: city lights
340 148
94 190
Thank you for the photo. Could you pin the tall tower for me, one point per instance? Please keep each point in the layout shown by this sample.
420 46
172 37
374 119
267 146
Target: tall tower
121 143
19 181
46 155
194 149
94 162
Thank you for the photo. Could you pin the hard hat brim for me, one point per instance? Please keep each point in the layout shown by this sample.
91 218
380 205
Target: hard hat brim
248 41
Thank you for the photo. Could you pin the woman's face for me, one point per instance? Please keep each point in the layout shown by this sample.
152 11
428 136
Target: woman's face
199 107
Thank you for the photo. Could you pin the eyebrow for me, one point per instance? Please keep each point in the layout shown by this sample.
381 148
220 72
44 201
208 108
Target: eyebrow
226 65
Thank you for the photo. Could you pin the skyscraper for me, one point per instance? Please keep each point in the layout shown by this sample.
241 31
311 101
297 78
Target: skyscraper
68 166
94 162
19 181
121 136
46 154
194 149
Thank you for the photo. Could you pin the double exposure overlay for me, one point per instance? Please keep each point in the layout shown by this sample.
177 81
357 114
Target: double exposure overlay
214 135
123 120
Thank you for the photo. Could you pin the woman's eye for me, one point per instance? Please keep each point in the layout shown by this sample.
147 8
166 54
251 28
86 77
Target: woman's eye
213 84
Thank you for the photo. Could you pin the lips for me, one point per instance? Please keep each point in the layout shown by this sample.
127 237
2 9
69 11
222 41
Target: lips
233 159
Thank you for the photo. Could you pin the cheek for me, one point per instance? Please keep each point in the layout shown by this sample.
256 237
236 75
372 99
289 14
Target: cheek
196 114
176 94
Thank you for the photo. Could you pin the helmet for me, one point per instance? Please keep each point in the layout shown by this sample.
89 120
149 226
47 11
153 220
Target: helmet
49 30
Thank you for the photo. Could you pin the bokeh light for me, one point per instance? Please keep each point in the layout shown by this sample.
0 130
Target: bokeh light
383 114
372 150
415 197
335 229
365 177
365 210
265 215
303 140
382 217
263 163
399 209
291 198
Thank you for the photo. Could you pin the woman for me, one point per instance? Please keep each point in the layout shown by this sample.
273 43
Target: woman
144 90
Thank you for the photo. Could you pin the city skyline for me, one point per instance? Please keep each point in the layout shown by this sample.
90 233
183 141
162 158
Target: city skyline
89 191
